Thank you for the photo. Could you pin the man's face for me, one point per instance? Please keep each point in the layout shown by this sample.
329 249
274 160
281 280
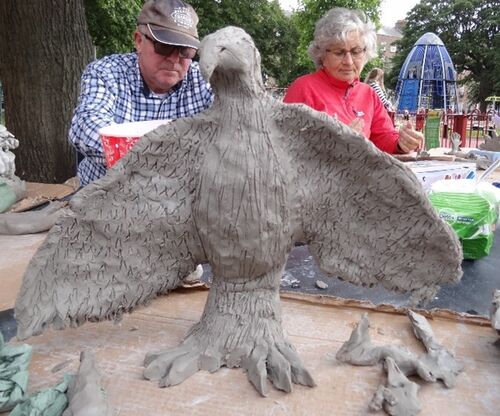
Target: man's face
160 73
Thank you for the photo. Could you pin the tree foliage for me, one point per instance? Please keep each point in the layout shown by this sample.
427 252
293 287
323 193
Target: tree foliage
264 20
282 40
111 24
470 31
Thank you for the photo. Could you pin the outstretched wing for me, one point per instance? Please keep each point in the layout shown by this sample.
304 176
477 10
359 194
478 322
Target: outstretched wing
362 212
126 237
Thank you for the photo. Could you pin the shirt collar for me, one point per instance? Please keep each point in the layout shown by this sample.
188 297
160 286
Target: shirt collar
337 83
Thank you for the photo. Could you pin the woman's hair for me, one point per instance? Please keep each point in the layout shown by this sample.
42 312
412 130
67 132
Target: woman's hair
376 74
335 25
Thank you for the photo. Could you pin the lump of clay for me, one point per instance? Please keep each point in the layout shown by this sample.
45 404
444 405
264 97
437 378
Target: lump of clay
495 311
321 285
492 144
399 395
436 364
85 395
31 222
359 350
455 145
482 163
442 363
236 186
76 395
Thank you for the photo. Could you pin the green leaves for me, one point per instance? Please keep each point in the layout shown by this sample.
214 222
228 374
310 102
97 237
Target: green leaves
272 31
281 39
111 24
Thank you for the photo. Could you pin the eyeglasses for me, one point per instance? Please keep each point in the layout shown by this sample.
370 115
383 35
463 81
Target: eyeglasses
165 49
356 53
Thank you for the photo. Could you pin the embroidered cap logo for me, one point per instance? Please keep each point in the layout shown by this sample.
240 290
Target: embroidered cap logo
182 17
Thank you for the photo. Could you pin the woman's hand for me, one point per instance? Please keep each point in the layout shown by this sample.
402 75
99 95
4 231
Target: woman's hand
357 125
409 139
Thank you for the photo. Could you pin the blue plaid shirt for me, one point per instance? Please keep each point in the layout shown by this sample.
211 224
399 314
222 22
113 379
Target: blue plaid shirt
113 91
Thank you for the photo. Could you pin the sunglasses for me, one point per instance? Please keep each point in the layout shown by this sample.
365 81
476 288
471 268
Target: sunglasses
165 49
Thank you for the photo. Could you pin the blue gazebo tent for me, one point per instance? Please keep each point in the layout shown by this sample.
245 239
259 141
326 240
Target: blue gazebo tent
427 78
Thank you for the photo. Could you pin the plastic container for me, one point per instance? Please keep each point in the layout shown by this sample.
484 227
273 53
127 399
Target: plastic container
471 208
118 139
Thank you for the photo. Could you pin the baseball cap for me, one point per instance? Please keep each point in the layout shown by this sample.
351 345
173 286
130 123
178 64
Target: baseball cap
171 21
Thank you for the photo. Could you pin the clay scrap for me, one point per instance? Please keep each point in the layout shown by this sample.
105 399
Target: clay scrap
236 186
85 394
78 394
321 285
398 397
359 350
437 364
495 311
13 189
455 140
31 222
491 143
442 363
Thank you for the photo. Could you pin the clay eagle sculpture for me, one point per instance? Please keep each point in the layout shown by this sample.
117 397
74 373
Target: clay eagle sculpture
236 186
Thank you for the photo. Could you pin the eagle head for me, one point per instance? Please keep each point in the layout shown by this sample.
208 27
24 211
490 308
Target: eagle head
230 51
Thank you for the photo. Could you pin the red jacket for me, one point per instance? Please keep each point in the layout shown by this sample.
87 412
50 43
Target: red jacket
322 92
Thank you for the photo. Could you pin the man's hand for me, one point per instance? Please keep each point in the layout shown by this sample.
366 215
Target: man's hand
409 139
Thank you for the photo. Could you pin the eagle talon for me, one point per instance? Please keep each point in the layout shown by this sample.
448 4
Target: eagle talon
276 361
238 329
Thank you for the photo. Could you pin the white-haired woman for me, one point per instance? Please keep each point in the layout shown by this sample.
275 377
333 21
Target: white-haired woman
344 40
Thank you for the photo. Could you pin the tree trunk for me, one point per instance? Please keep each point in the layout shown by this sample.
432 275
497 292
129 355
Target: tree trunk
484 92
44 47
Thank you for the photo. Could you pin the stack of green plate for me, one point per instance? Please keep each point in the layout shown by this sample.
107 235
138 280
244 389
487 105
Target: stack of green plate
472 216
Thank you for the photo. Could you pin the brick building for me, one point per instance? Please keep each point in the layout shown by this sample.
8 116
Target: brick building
386 36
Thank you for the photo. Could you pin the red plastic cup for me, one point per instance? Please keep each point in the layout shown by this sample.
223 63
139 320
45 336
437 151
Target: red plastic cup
118 139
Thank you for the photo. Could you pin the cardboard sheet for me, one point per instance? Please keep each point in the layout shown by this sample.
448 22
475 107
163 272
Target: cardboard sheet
316 325
40 193
317 331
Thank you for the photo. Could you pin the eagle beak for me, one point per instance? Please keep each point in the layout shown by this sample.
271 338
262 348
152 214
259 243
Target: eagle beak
209 56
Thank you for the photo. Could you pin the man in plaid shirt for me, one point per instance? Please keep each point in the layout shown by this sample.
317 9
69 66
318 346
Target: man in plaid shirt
159 81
